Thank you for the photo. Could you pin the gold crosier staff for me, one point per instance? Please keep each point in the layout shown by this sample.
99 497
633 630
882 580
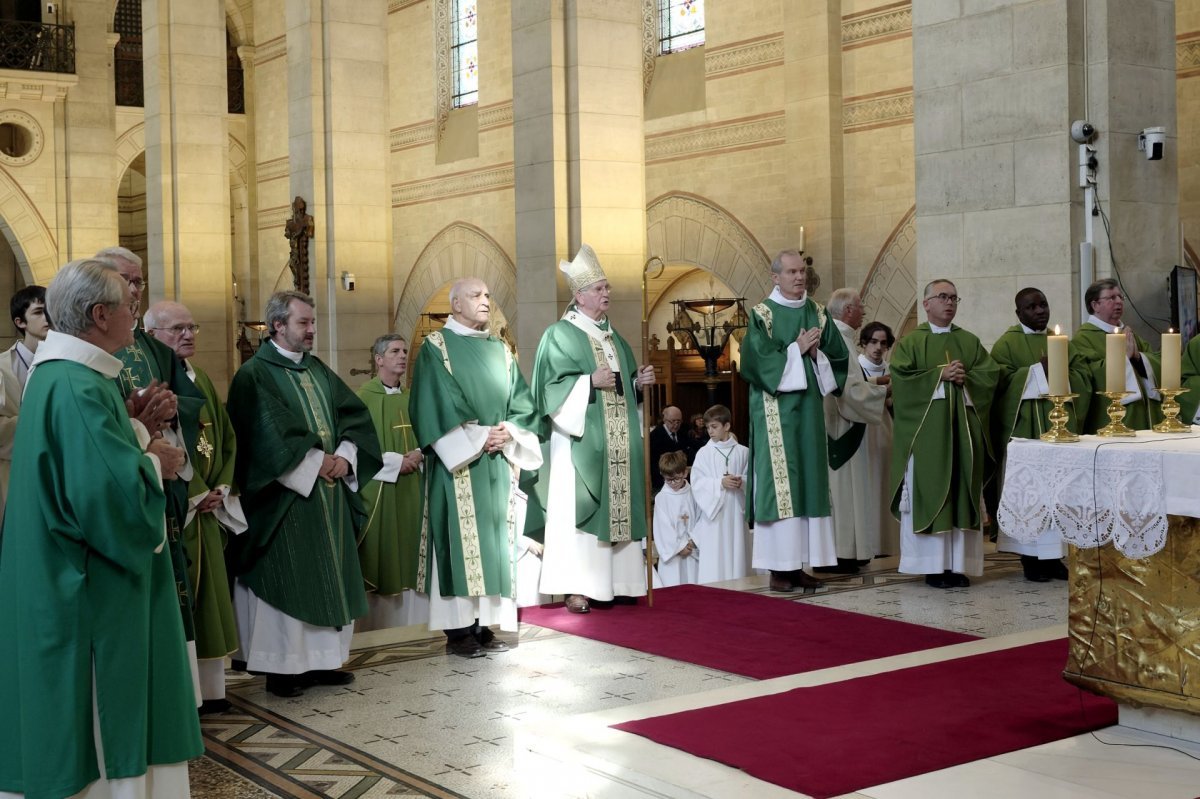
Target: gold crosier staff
646 420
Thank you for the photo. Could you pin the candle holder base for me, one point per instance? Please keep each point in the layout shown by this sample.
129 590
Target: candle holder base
1170 409
1058 432
1116 417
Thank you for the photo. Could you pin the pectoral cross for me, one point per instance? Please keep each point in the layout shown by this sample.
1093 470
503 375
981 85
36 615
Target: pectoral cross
203 446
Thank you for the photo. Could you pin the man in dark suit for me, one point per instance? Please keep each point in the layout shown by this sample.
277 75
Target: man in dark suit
664 438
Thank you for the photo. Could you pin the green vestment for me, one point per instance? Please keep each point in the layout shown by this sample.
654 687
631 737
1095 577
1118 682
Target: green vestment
148 359
300 553
1190 379
610 490
1015 352
1142 413
469 527
83 592
947 438
390 541
204 538
789 474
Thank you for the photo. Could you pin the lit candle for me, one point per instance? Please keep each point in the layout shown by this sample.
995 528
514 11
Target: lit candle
800 246
1056 362
1114 361
1172 349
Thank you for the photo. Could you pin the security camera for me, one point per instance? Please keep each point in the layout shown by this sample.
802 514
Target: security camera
348 281
1082 131
1151 141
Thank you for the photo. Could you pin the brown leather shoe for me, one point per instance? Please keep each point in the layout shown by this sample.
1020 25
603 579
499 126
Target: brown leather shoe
781 583
577 603
802 579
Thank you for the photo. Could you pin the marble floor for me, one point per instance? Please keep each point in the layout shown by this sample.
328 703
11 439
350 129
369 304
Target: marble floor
534 721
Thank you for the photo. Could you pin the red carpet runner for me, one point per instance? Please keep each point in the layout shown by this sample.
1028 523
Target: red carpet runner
747 634
834 739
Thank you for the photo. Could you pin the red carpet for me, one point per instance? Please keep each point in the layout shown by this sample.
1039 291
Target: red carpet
834 739
747 634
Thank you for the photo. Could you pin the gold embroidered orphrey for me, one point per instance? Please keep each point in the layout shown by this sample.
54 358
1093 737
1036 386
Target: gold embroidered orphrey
617 428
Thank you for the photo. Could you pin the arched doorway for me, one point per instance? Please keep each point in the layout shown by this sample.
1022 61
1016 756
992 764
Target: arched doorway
131 214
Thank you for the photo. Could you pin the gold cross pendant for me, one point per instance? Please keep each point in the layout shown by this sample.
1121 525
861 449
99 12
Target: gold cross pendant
203 446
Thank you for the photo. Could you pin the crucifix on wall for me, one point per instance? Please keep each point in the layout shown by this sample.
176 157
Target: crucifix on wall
298 230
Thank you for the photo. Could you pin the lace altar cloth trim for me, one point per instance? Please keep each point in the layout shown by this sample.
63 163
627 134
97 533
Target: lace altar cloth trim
1093 495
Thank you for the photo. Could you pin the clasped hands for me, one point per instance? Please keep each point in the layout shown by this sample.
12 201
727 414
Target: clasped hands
411 462
333 467
605 378
809 340
154 406
731 481
954 372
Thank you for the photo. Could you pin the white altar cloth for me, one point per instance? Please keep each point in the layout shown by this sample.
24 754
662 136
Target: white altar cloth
1101 490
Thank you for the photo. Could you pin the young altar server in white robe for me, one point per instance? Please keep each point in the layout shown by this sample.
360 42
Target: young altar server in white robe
674 517
719 486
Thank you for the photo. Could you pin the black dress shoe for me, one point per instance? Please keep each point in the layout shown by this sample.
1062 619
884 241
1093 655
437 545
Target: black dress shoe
465 647
490 643
781 583
625 600
844 566
328 677
1034 571
938 581
211 706
285 685
1055 569
959 580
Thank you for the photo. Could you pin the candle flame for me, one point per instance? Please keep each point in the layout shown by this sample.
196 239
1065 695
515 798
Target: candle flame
1057 332
1170 330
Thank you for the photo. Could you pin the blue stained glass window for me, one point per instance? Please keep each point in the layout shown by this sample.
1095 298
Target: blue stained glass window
464 53
680 25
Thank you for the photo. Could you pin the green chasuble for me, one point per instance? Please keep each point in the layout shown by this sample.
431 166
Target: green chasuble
470 519
389 543
1142 413
946 438
1190 377
1015 352
610 491
148 359
300 554
204 538
86 587
789 475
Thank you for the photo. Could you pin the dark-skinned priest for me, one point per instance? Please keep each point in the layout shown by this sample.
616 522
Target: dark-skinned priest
96 690
389 545
1019 411
475 420
304 442
587 383
942 385
792 357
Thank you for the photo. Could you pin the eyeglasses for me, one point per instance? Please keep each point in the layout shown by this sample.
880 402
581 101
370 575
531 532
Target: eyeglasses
679 478
954 298
1111 297
179 330
136 282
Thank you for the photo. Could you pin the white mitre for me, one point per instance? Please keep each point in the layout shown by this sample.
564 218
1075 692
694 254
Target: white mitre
584 270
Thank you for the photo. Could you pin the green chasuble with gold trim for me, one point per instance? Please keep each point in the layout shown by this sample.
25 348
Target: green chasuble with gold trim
204 539
148 359
947 439
300 554
389 543
1190 377
470 513
610 490
87 599
1012 417
789 474
1141 414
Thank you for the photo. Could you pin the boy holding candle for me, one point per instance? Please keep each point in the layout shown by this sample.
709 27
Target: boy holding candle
1032 365
1118 359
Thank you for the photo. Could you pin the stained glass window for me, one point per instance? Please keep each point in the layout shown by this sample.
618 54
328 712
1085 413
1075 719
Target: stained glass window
464 53
680 25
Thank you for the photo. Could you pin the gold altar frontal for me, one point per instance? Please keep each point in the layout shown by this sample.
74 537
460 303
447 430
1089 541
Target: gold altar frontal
1134 625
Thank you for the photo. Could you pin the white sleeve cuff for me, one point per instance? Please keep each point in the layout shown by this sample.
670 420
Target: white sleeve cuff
230 514
1035 383
794 377
349 450
825 379
569 418
461 446
392 461
143 435
524 450
303 477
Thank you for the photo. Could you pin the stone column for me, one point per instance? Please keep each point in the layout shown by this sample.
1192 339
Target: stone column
579 153
187 168
996 88
338 149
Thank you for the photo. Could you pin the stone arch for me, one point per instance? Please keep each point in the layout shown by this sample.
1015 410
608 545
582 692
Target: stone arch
889 292
459 250
686 228
27 233
132 143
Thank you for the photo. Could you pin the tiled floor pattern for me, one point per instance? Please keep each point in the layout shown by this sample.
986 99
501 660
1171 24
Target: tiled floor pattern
419 723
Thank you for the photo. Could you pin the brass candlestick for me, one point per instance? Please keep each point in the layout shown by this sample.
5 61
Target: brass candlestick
1058 432
1170 409
1116 414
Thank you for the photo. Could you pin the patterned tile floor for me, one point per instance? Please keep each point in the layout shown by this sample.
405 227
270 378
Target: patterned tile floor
418 723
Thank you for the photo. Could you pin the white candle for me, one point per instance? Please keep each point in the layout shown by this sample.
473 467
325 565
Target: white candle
1114 361
800 246
1172 350
1056 362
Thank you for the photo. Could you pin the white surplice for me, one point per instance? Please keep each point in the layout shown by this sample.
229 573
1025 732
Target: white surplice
675 515
720 529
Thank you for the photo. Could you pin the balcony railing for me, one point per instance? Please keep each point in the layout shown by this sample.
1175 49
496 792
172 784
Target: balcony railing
37 47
